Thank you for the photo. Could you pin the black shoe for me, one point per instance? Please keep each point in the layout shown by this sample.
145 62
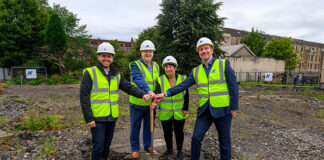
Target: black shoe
180 156
168 152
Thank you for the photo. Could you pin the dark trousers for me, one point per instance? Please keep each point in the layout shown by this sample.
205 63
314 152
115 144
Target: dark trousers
137 116
176 126
102 136
223 127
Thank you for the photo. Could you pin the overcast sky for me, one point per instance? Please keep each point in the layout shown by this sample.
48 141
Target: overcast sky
123 19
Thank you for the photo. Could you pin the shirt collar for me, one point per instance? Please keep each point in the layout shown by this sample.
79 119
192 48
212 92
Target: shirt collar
145 62
210 63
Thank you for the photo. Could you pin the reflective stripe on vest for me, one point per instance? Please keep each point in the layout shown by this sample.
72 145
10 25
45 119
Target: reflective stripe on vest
171 106
214 87
104 94
149 79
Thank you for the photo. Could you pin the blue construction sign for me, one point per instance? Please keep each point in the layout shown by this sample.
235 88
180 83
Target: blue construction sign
31 73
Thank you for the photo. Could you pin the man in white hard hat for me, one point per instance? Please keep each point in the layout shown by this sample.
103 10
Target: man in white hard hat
144 74
218 98
99 99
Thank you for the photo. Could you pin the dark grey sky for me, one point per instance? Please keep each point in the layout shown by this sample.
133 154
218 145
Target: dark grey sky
123 19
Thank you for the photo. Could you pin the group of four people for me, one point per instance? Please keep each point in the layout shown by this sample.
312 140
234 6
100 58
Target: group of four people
217 90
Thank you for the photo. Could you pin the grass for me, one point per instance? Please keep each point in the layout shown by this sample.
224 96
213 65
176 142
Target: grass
48 147
320 96
34 122
320 114
4 100
3 120
258 95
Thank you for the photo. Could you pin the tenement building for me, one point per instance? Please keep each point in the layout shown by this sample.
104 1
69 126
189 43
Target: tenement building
309 53
125 46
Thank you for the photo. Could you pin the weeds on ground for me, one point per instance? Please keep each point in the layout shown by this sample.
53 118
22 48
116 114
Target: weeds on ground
48 147
3 120
4 100
320 114
34 122
258 95
308 92
320 96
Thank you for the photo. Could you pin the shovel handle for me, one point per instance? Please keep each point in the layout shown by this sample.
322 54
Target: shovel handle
152 120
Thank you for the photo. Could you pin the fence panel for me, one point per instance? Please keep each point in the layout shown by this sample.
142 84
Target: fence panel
287 78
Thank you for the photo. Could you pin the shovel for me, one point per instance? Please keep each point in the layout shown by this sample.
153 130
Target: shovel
152 128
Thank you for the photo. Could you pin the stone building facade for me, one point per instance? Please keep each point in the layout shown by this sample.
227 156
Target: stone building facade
309 53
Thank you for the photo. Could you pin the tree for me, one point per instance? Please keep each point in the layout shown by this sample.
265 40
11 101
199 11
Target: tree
256 41
182 23
120 59
152 34
78 39
282 49
22 29
55 40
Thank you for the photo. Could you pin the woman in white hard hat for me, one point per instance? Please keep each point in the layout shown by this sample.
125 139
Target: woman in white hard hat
173 110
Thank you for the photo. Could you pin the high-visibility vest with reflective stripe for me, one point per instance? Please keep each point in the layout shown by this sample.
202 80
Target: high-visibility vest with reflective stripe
171 106
213 87
149 79
104 94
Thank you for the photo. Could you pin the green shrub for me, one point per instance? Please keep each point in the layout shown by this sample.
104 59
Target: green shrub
49 81
34 82
34 122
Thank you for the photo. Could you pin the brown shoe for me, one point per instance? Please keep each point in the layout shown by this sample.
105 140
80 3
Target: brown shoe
151 151
135 155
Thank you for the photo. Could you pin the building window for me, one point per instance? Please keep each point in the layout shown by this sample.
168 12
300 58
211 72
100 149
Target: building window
121 47
310 66
236 40
315 66
301 49
312 58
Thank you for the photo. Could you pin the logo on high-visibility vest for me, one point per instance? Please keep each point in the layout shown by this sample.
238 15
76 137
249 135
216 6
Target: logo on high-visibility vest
213 71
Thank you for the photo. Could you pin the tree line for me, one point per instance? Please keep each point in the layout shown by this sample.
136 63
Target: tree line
34 34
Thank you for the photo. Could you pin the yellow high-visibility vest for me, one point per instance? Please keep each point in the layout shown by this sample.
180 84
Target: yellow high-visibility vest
171 106
104 94
214 87
149 79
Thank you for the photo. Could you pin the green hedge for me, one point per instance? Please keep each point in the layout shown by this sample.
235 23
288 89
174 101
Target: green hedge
55 79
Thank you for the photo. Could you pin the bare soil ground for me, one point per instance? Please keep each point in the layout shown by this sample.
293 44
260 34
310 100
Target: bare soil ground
272 123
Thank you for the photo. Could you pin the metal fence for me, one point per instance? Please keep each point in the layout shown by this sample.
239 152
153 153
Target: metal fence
288 78
22 71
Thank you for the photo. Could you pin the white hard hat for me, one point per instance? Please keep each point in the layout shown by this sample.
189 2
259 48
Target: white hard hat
147 45
202 41
105 47
169 59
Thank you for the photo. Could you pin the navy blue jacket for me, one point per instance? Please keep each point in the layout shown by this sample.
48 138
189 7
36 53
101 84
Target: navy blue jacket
232 87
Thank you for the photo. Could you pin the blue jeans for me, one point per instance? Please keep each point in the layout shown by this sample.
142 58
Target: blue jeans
102 136
136 120
223 127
